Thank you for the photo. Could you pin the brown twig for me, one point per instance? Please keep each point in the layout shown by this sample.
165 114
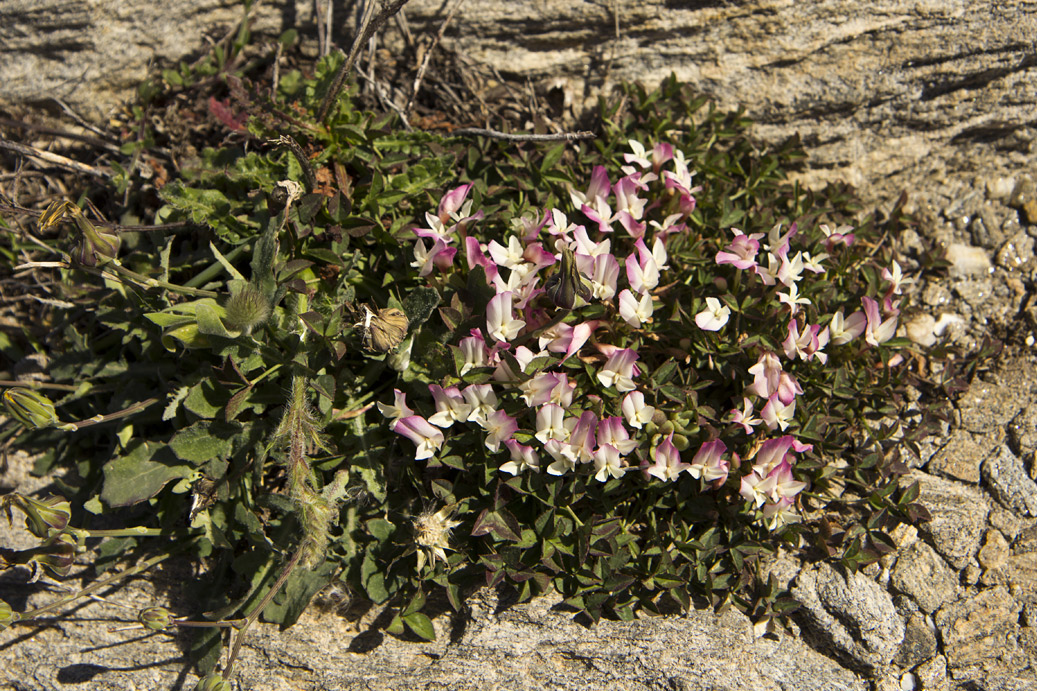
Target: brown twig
54 159
508 137
371 22
428 55
21 210
86 139
307 170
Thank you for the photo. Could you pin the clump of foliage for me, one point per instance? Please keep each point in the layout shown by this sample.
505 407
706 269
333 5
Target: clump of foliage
623 369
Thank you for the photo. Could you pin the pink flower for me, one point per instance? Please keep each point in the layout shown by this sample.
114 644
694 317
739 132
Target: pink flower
581 438
638 156
599 187
778 244
440 256
642 271
483 402
785 485
612 433
619 370
397 410
777 414
838 236
473 349
475 257
779 514
843 330
633 311
499 428
563 463
667 465
567 339
450 406
427 438
877 331
537 391
603 270
529 227
807 345
510 256
744 417
896 279
608 463
522 458
741 253
767 374
551 424
435 231
708 463
635 411
772 453
788 388
756 489
454 207
500 323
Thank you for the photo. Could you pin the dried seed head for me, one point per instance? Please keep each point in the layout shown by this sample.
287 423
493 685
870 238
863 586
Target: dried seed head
432 534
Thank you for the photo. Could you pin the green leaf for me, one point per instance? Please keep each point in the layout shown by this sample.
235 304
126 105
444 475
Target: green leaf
421 625
195 444
296 594
419 304
130 480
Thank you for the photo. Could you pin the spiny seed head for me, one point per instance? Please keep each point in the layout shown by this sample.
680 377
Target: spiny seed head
247 309
432 534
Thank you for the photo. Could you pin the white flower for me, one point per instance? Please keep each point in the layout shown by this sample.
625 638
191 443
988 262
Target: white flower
714 316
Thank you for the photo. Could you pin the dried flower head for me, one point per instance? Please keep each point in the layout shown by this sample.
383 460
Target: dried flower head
432 534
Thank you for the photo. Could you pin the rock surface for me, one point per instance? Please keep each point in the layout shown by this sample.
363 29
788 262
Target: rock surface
935 98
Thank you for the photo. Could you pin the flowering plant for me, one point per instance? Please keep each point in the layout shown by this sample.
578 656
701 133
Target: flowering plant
623 370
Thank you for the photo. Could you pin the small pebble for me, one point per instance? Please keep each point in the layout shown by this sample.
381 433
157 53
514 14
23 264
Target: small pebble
967 260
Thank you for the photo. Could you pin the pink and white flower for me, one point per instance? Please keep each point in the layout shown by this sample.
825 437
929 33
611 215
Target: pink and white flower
399 408
522 458
427 437
636 412
619 370
500 323
633 311
667 464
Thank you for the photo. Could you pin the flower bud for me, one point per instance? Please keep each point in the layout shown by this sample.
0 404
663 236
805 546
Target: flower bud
213 682
566 283
43 518
155 618
57 555
246 309
93 246
31 408
7 615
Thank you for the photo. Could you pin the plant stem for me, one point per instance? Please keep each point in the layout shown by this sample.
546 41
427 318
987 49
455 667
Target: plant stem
105 582
138 531
370 24
147 282
254 614
98 419
213 269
